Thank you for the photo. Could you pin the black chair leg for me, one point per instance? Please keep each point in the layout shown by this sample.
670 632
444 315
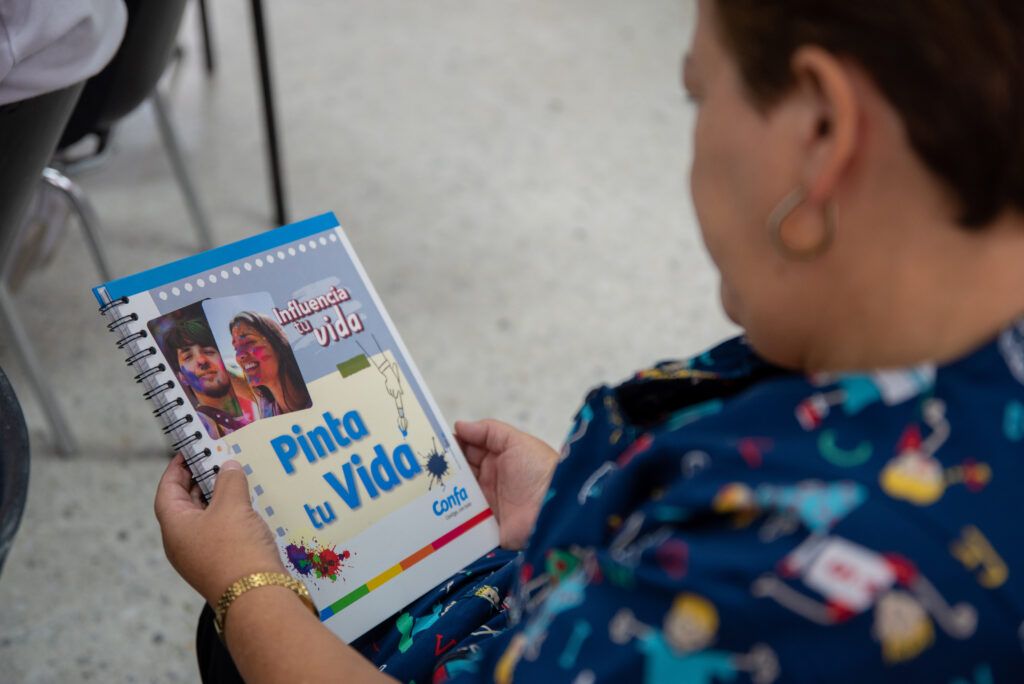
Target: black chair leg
204 23
269 115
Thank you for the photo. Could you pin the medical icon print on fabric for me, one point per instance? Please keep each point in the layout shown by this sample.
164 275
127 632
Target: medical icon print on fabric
408 626
915 475
831 451
856 392
614 417
976 553
578 429
817 506
1011 346
489 594
851 580
527 644
681 650
753 450
1013 421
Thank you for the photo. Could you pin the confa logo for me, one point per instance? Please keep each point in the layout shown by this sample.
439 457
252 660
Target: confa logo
458 497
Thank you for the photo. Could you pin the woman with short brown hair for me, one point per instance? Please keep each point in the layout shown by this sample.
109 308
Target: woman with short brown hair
829 497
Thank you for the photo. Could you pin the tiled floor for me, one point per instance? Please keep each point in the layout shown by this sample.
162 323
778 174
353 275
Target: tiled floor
513 175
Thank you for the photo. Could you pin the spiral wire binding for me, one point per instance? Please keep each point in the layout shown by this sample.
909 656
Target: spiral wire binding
186 440
138 356
173 421
149 372
120 301
196 457
159 389
120 321
128 339
161 410
180 422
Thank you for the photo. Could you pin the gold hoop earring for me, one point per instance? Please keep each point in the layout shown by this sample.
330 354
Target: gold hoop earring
783 209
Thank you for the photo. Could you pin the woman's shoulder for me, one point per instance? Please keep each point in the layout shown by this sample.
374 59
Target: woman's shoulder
652 396
913 461
911 435
731 390
867 513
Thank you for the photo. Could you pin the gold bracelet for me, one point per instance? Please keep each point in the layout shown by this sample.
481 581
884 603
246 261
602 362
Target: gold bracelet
258 579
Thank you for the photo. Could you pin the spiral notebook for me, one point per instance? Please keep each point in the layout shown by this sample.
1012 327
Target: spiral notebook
276 351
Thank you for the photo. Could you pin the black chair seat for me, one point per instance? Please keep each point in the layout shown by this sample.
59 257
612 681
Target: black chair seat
132 74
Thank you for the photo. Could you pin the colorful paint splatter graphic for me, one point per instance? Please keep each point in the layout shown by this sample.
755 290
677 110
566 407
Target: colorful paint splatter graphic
436 465
317 560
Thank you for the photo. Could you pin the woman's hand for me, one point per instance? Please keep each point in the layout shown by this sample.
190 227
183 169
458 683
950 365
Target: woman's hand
214 546
271 635
514 470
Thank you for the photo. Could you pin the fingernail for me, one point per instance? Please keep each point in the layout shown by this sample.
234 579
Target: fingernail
231 464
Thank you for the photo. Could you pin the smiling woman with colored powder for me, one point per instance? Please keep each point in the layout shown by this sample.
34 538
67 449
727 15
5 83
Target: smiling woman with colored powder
266 359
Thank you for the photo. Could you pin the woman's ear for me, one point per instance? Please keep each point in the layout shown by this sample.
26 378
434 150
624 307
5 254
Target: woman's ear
825 87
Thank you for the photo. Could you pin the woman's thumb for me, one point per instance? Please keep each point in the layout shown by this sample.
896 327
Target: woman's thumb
231 486
471 431
487 433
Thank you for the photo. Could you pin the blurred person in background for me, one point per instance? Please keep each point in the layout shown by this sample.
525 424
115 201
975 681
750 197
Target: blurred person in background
831 496
46 45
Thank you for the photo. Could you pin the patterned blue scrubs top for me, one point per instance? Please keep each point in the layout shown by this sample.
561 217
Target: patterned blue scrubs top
723 520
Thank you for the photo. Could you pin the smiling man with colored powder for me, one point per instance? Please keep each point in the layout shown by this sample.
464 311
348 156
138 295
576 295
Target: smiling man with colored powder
197 363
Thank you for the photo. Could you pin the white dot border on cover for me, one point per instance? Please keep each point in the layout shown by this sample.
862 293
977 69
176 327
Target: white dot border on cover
254 262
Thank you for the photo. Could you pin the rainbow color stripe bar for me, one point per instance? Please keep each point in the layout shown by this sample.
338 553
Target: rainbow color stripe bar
397 569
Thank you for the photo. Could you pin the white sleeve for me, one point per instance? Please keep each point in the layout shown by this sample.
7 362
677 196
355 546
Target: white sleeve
46 45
